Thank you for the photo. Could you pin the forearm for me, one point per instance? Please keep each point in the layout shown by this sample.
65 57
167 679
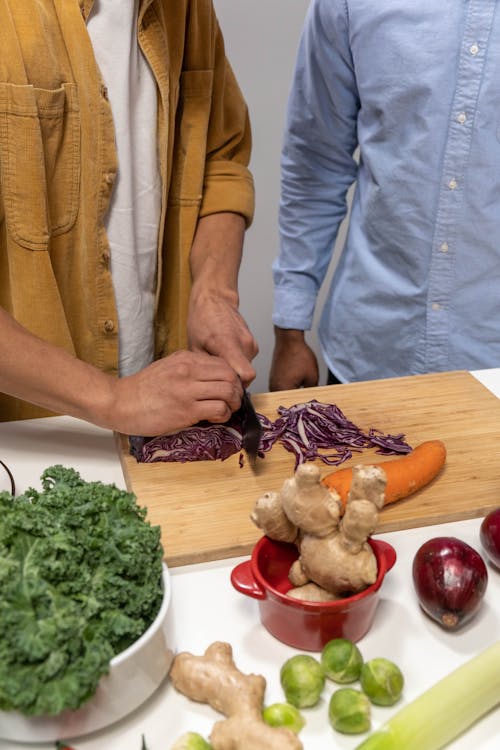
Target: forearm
172 393
45 375
216 255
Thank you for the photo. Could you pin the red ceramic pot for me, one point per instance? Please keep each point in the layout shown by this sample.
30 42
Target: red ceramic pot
301 624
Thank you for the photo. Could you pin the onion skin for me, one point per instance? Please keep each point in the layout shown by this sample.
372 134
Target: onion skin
489 534
450 579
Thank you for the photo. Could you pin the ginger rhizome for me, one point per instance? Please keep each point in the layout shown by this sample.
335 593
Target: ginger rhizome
335 558
213 678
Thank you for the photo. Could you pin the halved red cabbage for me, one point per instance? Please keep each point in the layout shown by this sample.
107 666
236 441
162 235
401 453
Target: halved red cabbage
310 431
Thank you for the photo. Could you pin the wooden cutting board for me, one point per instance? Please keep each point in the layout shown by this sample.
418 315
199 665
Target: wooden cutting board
203 507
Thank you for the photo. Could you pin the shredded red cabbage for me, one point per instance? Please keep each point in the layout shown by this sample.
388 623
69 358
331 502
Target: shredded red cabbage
307 429
203 442
310 431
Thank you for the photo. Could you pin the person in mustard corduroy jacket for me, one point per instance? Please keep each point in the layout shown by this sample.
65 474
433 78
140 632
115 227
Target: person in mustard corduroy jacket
124 198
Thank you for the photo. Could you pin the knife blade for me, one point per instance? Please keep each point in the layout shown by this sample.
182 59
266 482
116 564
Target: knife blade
251 428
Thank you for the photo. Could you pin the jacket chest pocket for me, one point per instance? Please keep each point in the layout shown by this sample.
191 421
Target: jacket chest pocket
193 115
39 161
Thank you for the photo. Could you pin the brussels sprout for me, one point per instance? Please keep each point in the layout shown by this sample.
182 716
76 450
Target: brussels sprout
191 741
302 679
382 681
349 711
341 660
283 715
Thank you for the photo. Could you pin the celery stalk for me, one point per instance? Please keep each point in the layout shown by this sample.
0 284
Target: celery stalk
444 711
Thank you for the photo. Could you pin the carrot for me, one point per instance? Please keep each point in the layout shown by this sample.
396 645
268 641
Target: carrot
405 474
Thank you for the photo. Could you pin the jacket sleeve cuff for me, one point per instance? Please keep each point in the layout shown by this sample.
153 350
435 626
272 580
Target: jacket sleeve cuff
228 187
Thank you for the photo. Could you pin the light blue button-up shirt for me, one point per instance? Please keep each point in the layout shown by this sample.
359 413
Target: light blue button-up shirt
415 84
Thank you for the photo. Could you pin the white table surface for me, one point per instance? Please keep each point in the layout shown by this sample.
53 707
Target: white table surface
206 608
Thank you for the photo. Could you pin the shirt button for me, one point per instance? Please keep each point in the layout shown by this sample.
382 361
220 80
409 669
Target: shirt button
109 326
109 178
105 258
436 306
104 91
444 247
461 118
474 49
452 184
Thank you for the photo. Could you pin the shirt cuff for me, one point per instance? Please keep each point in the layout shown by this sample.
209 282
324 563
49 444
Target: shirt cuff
293 309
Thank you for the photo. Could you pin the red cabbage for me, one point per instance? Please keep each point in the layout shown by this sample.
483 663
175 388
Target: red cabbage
310 431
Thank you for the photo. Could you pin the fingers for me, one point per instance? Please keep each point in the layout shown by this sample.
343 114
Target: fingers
237 349
216 412
217 328
176 392
244 369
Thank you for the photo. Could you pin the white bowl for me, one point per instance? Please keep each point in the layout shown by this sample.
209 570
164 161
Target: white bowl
133 677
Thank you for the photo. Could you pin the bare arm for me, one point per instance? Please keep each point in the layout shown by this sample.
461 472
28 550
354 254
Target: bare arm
294 364
170 394
214 323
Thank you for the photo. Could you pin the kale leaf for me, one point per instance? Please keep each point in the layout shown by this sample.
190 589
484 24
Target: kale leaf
80 580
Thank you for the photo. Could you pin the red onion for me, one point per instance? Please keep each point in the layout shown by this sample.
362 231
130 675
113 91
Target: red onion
450 580
489 534
310 431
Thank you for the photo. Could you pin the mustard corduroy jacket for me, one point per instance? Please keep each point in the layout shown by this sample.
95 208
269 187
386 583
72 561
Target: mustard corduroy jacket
58 165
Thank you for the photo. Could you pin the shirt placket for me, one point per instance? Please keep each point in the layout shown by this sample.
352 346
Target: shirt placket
469 73
98 149
105 304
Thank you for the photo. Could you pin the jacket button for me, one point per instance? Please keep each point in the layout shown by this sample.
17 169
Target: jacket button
109 326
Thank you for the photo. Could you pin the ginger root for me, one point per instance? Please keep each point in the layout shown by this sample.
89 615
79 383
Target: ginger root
311 592
308 505
268 512
334 553
214 679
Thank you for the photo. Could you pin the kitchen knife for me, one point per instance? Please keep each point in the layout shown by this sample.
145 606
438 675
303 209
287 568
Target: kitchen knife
251 428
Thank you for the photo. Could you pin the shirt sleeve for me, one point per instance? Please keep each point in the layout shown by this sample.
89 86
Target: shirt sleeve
228 182
317 161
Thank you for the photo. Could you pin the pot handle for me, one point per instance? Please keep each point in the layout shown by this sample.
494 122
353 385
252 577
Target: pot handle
388 553
244 582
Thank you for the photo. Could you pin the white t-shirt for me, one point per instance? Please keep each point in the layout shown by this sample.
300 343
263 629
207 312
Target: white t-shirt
133 218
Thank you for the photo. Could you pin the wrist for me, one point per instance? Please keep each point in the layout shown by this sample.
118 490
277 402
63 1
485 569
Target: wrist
99 403
203 295
287 336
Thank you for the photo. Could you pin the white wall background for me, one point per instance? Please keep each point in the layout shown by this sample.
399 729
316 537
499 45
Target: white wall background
261 38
